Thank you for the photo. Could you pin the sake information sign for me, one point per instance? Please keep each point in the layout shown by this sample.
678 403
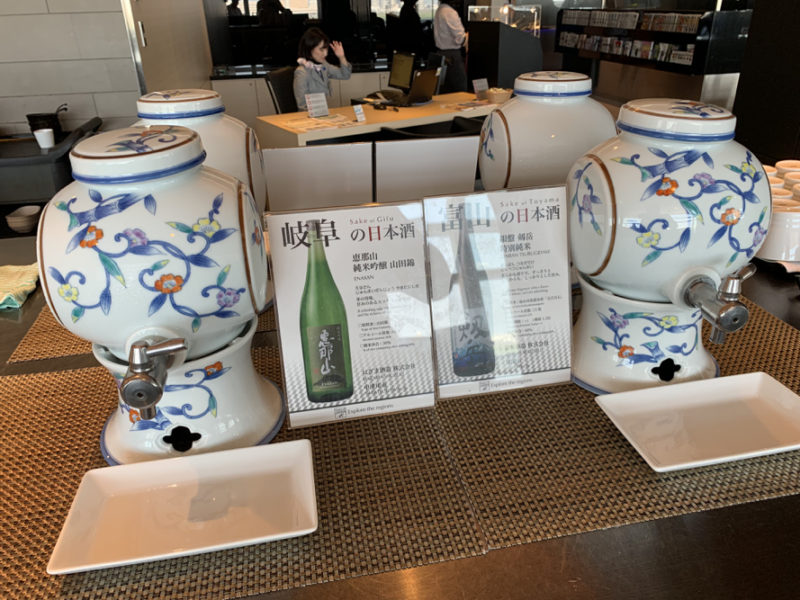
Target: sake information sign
500 289
351 299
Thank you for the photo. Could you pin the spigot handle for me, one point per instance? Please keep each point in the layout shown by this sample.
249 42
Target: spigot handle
731 287
747 271
142 353
166 347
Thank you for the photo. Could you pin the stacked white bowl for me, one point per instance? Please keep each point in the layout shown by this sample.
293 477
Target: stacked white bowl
783 239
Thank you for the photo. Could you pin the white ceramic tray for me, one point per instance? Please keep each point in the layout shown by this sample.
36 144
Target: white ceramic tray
179 506
707 422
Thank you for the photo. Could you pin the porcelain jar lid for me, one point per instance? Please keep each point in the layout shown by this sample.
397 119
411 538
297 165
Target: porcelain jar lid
179 104
679 120
553 84
137 153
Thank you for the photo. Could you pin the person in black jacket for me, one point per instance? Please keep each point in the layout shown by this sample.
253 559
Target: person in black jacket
411 37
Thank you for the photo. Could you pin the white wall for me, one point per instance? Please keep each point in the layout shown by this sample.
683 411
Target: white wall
74 51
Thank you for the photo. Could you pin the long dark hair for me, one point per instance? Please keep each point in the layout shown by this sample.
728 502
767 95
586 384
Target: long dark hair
310 40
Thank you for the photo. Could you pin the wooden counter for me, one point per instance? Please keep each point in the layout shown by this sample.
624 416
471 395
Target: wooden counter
288 130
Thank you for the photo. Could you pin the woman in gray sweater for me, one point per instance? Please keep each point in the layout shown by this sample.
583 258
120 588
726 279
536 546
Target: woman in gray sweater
313 72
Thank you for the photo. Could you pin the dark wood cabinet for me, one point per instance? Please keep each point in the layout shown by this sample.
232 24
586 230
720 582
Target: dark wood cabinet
766 104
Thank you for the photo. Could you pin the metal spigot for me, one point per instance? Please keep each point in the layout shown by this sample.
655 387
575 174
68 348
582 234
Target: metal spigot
720 307
143 384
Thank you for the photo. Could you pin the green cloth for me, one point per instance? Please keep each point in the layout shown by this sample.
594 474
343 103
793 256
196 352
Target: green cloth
16 282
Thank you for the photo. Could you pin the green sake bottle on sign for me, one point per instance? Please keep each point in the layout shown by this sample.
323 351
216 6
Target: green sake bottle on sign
324 337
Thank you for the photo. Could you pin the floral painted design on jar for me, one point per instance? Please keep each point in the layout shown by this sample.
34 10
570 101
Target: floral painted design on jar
693 188
143 141
697 109
167 94
672 192
487 137
166 277
649 326
147 245
583 200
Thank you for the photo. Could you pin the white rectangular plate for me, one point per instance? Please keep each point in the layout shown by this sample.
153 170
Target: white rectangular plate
707 422
179 506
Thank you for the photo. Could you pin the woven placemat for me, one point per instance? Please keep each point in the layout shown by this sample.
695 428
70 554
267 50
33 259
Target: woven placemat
266 320
547 462
48 339
388 497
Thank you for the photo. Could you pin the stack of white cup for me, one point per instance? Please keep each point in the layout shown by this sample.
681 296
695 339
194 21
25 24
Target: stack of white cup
789 172
783 238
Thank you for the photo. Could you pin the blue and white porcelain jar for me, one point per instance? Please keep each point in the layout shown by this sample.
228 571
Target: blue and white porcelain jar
148 245
534 138
659 216
672 193
231 145
147 237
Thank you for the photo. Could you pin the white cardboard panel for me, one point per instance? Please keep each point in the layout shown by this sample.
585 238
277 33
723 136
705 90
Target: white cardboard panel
417 168
318 176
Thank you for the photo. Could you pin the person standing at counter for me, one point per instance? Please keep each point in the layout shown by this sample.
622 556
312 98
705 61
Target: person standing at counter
314 71
450 37
411 35
233 9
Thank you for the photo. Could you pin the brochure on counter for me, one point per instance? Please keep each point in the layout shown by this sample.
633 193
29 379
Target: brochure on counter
352 305
500 289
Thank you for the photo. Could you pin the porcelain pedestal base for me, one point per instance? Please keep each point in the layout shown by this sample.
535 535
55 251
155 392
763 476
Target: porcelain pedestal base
621 344
216 402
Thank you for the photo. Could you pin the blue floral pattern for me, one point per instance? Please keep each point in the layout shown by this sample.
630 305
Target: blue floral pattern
168 284
696 109
584 203
726 212
559 75
488 137
140 142
167 94
653 327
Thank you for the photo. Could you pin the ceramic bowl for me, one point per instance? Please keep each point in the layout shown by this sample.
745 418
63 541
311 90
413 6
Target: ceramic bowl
781 194
775 182
24 219
791 179
148 242
534 138
783 239
787 166
672 194
231 146
785 205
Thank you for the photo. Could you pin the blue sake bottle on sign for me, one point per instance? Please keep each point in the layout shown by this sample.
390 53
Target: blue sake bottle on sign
470 334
